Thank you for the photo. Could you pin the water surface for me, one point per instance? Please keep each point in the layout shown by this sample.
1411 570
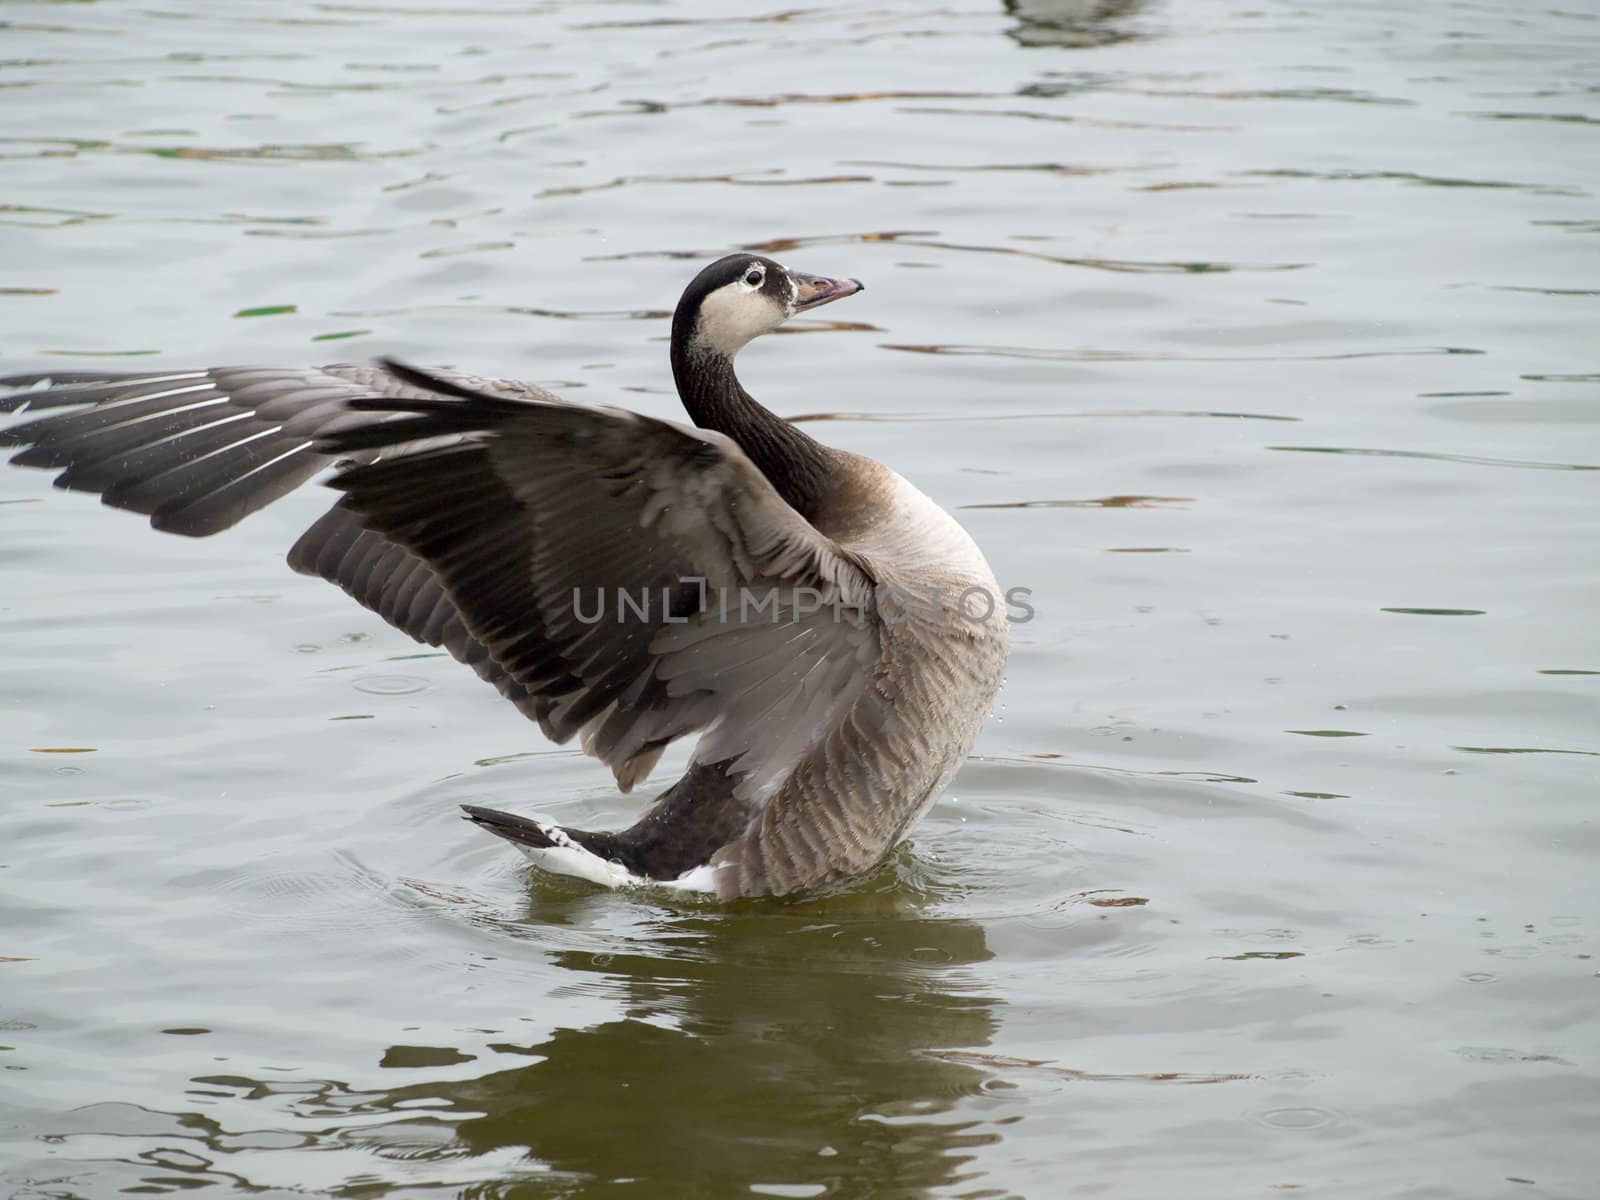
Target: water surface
1257 340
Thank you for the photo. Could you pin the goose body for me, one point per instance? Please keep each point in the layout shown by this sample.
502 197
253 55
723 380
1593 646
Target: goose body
832 637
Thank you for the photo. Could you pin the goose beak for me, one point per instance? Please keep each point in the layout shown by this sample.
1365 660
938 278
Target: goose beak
813 291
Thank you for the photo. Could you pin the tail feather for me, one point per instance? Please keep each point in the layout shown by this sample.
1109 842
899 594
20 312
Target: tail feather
560 851
519 830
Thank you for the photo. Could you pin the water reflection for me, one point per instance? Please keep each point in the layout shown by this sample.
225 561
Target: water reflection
807 1047
790 1048
1071 23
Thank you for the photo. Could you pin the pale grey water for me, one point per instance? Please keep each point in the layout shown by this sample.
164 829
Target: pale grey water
1258 340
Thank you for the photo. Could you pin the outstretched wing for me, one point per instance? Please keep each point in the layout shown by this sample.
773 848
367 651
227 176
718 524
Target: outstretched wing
621 579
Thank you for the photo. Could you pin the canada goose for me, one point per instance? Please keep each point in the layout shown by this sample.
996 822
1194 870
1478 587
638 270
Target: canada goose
830 633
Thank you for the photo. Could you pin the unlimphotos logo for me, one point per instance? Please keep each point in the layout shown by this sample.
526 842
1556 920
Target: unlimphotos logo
693 600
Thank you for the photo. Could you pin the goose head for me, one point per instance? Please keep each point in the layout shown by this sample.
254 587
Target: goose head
742 296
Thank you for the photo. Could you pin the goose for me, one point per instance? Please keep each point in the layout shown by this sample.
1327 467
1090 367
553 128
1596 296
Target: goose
828 632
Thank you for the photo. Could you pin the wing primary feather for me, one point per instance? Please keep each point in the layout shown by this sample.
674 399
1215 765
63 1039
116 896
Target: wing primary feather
76 387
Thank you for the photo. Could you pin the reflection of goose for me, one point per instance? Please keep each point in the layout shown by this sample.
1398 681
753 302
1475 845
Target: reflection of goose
818 1047
833 636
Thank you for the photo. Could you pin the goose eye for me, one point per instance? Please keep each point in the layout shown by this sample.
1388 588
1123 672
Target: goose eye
753 277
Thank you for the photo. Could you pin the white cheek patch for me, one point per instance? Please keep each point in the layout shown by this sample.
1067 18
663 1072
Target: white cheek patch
731 316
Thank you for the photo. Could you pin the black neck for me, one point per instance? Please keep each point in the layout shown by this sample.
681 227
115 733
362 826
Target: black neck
799 467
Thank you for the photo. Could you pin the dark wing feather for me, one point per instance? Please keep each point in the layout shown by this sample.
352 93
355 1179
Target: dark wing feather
197 451
529 512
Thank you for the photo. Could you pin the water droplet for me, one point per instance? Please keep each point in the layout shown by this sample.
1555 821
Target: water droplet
391 685
1298 1119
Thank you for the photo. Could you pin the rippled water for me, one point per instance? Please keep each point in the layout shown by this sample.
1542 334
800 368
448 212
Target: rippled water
1258 340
